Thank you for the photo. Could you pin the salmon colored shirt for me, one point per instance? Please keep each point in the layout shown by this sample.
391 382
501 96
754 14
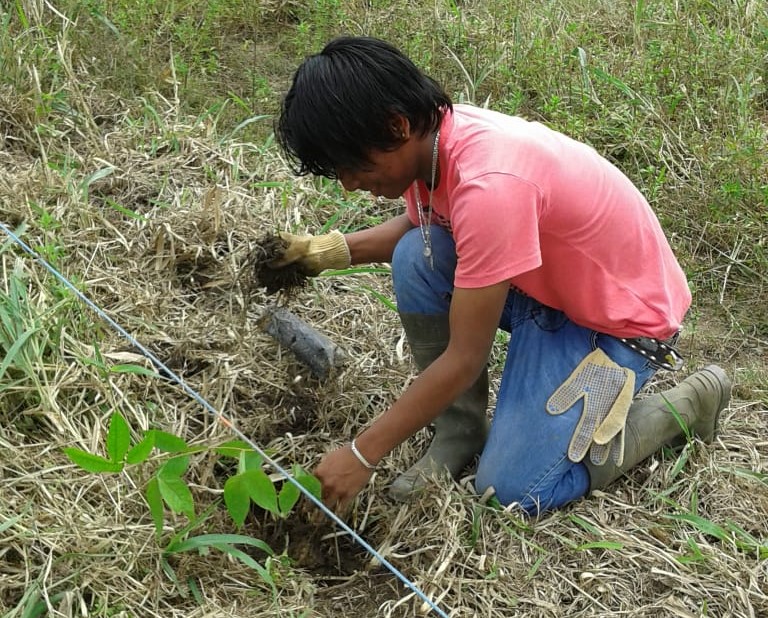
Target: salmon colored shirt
528 205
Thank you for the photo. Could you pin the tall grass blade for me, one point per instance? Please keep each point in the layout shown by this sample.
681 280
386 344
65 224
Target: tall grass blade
15 349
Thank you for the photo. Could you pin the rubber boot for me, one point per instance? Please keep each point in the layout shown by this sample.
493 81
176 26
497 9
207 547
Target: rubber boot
461 430
699 400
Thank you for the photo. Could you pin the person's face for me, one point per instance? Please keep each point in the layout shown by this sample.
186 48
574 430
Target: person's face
388 173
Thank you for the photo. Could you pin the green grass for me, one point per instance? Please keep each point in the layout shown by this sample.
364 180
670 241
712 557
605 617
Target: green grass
28 339
117 117
675 95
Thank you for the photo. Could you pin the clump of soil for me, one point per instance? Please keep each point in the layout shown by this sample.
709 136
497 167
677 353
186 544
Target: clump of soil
289 278
307 538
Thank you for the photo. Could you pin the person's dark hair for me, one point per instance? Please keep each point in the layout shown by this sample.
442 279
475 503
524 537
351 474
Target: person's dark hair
343 101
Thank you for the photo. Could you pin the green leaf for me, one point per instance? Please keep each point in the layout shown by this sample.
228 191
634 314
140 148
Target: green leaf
287 498
356 270
174 467
704 525
22 15
616 82
233 448
135 369
237 498
169 443
680 420
14 350
249 460
681 461
208 540
493 502
309 482
696 553
384 300
9 523
90 462
244 124
123 210
224 543
535 568
219 541
747 474
746 542
36 608
168 570
140 452
195 590
93 177
179 534
601 545
118 438
176 495
261 489
248 561
588 526
155 503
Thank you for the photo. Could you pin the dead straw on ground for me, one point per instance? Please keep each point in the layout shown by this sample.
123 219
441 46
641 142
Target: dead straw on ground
171 268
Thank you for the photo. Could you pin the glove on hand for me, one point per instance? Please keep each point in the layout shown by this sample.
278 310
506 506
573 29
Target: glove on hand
314 254
607 390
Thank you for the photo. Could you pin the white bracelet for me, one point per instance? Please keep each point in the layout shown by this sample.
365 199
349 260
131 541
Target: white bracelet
360 457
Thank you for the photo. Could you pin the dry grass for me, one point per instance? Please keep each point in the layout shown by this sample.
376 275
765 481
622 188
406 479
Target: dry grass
85 545
161 241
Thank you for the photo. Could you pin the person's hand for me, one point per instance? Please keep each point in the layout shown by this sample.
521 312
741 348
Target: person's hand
314 254
342 476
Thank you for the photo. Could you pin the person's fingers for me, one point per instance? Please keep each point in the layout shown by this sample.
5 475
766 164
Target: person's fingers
338 500
292 254
295 248
343 505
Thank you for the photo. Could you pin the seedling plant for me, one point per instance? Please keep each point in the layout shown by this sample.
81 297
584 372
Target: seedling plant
168 456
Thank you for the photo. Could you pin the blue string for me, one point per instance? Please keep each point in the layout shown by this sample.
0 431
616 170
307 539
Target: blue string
218 414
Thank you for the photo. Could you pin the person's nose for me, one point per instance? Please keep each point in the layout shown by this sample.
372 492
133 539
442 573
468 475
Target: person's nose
349 181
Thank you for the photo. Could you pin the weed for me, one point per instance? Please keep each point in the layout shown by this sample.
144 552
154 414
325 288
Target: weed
29 335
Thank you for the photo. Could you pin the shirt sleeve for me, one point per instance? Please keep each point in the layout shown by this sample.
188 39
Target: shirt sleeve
496 221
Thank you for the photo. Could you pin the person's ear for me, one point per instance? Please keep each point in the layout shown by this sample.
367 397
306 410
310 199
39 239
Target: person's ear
401 128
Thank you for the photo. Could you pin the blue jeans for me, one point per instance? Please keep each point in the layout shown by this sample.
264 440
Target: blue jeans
525 457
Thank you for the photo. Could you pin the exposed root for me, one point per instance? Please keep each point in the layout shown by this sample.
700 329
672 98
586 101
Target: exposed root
288 279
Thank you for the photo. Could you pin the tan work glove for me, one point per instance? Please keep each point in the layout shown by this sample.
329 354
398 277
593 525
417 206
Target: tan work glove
607 390
314 254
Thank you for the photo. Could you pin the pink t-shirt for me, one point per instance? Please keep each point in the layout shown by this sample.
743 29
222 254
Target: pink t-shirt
528 205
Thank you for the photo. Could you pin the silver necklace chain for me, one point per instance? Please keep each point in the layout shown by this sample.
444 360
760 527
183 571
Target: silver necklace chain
426 220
